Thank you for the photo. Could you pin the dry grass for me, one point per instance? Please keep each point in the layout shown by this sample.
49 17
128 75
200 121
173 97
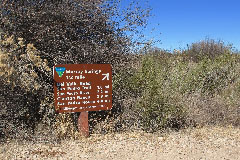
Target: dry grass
211 111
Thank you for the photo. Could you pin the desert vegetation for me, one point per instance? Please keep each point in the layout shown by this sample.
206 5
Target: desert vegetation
153 89
196 87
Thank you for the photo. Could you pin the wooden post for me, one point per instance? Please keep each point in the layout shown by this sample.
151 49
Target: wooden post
83 126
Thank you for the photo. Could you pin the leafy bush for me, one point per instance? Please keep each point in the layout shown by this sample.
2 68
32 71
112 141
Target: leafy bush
73 31
172 92
156 106
37 34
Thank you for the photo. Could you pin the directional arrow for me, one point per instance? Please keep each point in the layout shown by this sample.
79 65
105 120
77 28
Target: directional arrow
106 76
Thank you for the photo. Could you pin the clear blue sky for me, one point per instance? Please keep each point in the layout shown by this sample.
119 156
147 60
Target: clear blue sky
182 22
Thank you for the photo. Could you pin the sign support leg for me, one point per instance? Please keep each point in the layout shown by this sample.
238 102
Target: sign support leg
83 126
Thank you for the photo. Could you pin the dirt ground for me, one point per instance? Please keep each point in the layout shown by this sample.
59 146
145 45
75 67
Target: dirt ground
198 143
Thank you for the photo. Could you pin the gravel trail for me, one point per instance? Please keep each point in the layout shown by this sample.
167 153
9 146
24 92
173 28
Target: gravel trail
199 143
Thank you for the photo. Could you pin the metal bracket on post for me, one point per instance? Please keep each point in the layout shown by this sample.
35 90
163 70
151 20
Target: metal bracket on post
83 126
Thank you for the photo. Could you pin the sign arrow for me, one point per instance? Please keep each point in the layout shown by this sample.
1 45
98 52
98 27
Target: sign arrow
106 76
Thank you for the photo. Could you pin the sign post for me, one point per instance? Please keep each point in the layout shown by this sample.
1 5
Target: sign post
82 88
83 126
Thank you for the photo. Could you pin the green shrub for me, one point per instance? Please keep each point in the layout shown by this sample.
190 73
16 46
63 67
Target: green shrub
157 105
166 90
209 76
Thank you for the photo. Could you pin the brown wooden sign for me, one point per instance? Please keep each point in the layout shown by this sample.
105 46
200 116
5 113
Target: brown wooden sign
82 87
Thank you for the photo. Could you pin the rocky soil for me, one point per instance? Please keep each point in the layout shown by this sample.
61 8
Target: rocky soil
198 143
